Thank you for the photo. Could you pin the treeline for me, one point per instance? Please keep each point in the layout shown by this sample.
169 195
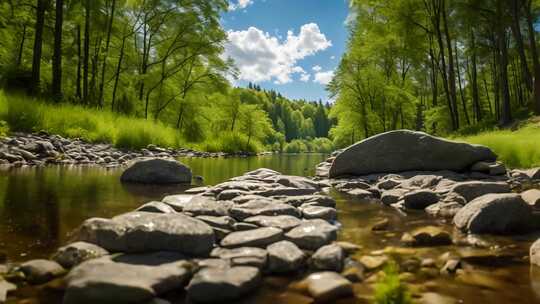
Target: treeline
156 60
437 65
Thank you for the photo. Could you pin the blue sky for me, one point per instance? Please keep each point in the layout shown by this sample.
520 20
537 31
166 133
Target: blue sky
292 46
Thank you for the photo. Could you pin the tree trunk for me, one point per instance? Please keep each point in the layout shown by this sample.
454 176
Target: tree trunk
86 58
536 62
79 63
518 37
118 70
106 53
38 46
21 46
451 70
506 114
57 56
474 80
463 102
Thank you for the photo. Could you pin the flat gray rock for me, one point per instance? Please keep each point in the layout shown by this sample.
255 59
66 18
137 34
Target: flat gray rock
317 212
41 271
329 257
495 214
76 253
328 286
157 207
145 231
404 150
106 281
312 234
419 199
204 205
211 285
284 257
284 222
260 237
157 171
223 222
243 256
473 189
262 207
177 201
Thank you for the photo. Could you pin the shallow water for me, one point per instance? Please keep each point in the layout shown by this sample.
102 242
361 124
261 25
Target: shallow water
40 208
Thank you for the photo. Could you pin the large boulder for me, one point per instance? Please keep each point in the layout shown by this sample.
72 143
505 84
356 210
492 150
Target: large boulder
157 171
146 231
403 150
495 213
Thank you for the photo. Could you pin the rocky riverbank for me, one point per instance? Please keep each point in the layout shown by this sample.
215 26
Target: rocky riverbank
21 149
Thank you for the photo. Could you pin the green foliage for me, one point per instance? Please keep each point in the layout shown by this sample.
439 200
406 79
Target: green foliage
317 145
24 116
389 289
231 142
518 149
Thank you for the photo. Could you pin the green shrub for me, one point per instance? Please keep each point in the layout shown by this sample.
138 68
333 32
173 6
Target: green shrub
4 129
24 115
231 142
296 146
389 289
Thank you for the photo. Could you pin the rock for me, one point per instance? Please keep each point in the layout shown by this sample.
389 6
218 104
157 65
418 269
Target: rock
230 194
196 190
473 189
534 253
260 237
211 285
286 191
76 253
435 298
177 201
157 207
223 222
351 185
298 182
312 200
105 280
381 225
41 271
243 226
427 236
391 197
5 288
283 222
329 257
328 286
145 231
284 257
451 266
262 207
243 256
316 212
421 181
444 209
373 262
532 197
361 194
420 199
157 171
533 173
495 213
204 205
312 234
403 150
388 184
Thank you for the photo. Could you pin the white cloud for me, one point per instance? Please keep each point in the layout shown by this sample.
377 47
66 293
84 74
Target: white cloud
332 57
323 78
317 68
305 77
260 56
240 4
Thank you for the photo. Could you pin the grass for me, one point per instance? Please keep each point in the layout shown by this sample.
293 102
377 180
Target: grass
21 113
230 142
389 289
516 148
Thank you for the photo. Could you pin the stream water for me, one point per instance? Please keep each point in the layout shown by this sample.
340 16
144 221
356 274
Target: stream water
41 207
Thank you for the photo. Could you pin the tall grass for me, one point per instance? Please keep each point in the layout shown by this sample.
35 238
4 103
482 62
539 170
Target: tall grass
517 149
29 115
230 142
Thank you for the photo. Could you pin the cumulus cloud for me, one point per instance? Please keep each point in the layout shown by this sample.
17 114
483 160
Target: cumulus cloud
323 78
317 68
260 56
240 4
305 77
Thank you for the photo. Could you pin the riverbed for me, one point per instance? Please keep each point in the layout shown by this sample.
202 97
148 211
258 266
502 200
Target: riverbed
41 207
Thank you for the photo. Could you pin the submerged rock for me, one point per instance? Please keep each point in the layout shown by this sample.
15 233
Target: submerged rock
495 213
403 150
534 253
420 199
157 171
211 285
145 231
328 286
532 197
427 236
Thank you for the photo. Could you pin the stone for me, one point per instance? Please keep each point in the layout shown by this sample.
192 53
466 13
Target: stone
444 209
145 231
427 236
298 182
361 194
404 150
73 254
373 262
451 266
328 286
5 288
381 225
312 234
177 201
196 190
532 197
391 197
243 226
534 253
284 222
473 189
41 271
132 279
157 171
348 185
533 173
262 207
242 256
211 285
495 214
223 222
421 181
260 237
286 191
316 212
230 194
157 207
284 256
388 184
420 199
329 257
204 205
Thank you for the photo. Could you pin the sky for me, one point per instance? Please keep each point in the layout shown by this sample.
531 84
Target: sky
291 46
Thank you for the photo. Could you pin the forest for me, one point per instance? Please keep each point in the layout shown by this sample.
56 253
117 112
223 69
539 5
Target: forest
445 67
157 61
